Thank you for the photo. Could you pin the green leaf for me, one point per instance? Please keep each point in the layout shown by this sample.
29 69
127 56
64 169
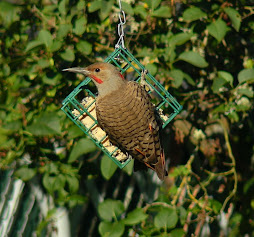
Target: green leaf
43 63
84 47
129 167
215 205
6 70
226 76
218 29
233 116
153 4
45 37
163 11
52 168
234 16
135 217
246 75
56 45
246 91
63 30
165 234
107 229
48 9
68 55
218 83
5 142
33 44
81 6
140 10
193 58
152 68
127 8
9 13
62 7
11 156
110 209
15 125
180 38
193 14
78 199
25 173
243 104
51 93
75 200
51 79
177 233
181 170
251 25
182 214
108 167
95 6
47 124
80 26
189 79
106 9
221 108
83 146
74 131
248 186
53 183
177 76
73 183
167 218
249 63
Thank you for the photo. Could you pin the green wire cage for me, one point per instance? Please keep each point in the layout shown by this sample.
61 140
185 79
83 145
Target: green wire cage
79 105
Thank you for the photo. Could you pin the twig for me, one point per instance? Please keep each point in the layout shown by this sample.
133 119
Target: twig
201 185
147 206
231 156
184 181
213 175
200 224
192 205
192 197
251 9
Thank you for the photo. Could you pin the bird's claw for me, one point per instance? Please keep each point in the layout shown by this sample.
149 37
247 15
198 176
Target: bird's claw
143 76
144 73
143 80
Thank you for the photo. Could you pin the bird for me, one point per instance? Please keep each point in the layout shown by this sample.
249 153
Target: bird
125 112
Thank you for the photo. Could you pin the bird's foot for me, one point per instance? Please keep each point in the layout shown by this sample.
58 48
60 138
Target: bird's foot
143 80
118 59
143 74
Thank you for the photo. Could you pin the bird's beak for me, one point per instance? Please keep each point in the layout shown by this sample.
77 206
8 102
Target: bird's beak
77 70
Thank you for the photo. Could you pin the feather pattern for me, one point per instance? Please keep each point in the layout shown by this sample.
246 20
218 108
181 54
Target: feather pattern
128 117
125 112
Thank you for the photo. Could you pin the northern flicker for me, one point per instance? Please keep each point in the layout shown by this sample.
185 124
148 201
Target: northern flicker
124 111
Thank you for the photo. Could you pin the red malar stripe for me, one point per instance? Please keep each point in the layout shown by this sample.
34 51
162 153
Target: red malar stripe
98 80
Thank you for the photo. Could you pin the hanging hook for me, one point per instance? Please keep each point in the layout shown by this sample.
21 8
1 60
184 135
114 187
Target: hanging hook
122 20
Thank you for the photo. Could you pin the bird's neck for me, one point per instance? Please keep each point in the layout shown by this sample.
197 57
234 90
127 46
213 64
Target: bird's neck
111 86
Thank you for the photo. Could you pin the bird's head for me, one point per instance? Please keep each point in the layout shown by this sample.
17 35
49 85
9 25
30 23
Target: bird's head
106 77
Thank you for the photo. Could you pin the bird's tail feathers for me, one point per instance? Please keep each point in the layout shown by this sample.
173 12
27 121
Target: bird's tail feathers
160 167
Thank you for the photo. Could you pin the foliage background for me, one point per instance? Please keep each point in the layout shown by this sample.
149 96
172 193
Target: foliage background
202 51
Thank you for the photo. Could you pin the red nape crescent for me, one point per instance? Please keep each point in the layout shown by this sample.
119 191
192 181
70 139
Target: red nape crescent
121 76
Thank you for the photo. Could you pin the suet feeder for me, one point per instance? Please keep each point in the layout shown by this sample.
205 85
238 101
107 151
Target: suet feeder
82 111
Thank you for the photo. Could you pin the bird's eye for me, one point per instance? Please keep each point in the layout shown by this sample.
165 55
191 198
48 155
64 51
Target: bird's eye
97 69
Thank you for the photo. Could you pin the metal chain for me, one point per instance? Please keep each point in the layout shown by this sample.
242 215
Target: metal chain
122 20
